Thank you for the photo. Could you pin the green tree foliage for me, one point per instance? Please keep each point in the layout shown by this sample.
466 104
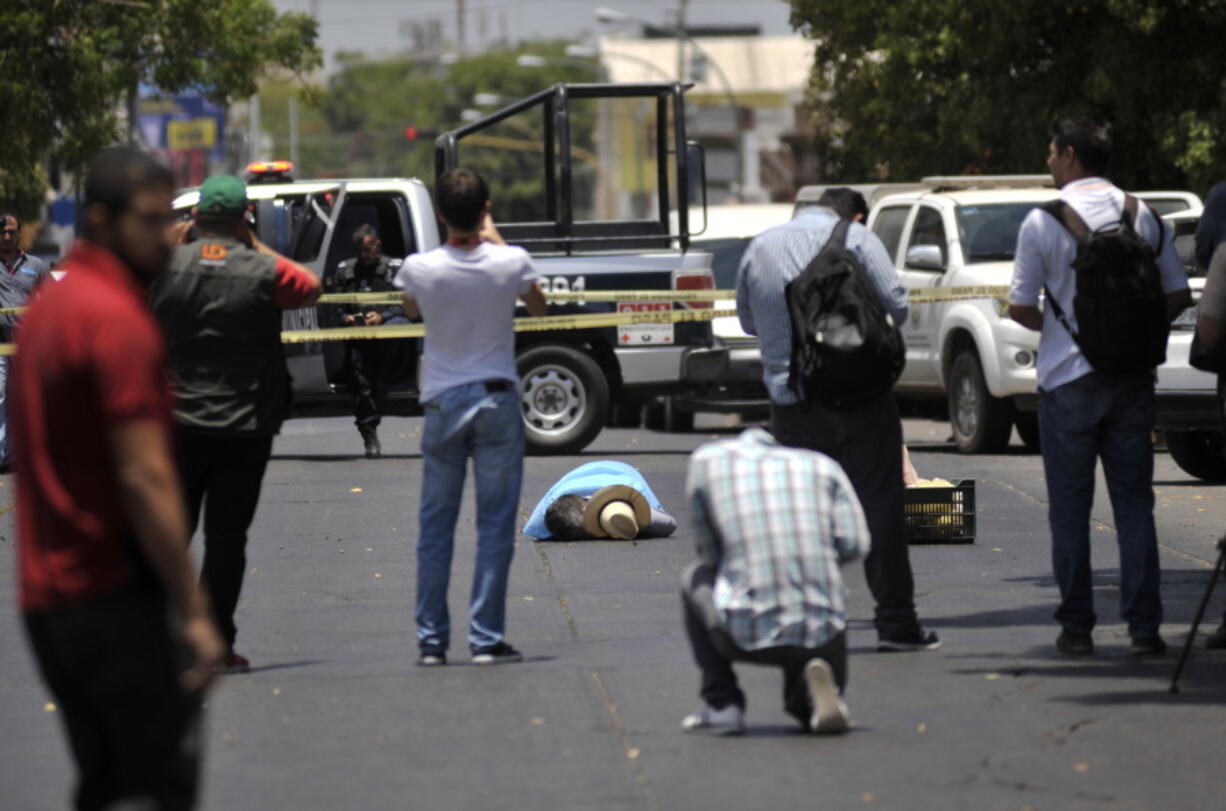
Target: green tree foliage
357 128
904 88
67 66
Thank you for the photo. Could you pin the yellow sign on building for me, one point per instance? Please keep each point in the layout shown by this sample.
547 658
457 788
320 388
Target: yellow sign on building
194 133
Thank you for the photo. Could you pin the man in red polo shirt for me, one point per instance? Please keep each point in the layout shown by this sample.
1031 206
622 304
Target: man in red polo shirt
120 629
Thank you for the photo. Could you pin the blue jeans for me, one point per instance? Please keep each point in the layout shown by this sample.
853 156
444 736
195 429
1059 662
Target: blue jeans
1109 417
461 422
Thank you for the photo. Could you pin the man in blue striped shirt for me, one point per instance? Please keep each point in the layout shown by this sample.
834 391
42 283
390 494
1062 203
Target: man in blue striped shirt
20 276
773 526
864 440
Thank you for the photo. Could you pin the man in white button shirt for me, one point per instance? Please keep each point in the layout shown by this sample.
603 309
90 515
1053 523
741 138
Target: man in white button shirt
1084 413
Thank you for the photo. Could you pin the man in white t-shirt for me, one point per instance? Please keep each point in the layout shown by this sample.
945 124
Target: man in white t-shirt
465 291
1084 413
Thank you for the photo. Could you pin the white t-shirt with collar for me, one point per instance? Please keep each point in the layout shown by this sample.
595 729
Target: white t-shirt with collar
1044 257
467 299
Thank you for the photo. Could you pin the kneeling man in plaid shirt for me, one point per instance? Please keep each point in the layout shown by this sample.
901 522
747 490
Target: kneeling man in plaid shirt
773 526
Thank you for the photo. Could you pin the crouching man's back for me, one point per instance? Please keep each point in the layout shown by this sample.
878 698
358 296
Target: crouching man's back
773 526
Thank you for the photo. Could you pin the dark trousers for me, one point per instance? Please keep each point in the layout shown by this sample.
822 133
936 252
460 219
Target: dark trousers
715 651
113 666
364 382
867 442
222 477
366 361
1108 417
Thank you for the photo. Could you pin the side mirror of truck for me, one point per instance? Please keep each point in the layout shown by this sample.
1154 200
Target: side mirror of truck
925 257
696 160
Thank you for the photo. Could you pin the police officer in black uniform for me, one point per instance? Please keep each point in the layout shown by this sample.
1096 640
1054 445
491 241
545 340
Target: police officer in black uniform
369 272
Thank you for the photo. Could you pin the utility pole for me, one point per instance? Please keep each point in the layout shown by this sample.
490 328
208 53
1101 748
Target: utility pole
459 26
681 35
253 125
293 132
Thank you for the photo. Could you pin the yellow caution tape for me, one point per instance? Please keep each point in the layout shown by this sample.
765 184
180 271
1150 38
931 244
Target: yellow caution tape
574 295
548 322
918 295
929 295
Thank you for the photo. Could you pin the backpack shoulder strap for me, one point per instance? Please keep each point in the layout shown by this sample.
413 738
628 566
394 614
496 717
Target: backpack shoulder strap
837 238
1072 222
839 235
1129 215
1070 219
1132 213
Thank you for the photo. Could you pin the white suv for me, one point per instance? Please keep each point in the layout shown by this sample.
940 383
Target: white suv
1189 411
962 232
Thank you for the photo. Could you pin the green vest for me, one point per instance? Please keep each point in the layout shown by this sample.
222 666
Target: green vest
217 309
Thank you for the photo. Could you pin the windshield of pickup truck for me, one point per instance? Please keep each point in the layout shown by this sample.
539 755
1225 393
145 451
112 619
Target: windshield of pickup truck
988 233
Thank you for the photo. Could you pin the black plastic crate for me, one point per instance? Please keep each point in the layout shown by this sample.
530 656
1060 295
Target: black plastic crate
941 514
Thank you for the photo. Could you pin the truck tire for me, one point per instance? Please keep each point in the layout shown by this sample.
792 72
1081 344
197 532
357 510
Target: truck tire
1199 453
981 423
664 415
564 397
1027 424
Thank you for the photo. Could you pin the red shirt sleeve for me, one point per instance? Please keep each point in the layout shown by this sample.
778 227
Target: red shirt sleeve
129 360
294 288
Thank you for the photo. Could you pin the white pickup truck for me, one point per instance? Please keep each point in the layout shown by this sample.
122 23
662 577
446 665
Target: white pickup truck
962 232
584 237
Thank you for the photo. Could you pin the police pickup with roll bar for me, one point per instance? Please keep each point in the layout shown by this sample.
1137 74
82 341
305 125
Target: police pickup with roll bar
602 222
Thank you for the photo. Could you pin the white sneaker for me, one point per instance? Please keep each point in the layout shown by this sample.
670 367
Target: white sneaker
729 720
830 715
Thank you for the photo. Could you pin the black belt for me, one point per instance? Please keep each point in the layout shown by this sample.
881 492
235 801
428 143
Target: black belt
492 386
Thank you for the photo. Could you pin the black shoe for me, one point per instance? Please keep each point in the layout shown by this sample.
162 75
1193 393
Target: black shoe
432 657
917 640
1075 644
370 438
1148 646
500 654
1217 639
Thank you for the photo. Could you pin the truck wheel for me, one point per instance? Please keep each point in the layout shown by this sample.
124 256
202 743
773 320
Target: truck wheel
664 415
1199 453
564 397
1027 424
981 423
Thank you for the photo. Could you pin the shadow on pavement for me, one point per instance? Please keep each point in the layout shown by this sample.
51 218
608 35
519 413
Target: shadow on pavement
950 448
340 457
282 666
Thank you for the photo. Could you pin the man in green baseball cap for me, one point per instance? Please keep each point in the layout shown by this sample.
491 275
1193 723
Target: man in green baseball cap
219 304
222 197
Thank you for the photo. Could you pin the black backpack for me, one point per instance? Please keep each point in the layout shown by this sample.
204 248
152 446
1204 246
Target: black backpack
846 348
1119 302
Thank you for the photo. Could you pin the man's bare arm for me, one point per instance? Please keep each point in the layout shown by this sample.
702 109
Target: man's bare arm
410 307
260 247
535 300
1027 315
1210 330
153 503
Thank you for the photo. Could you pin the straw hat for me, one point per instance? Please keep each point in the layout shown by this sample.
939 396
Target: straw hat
616 511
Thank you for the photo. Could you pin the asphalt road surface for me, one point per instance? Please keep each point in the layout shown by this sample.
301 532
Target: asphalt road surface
336 716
